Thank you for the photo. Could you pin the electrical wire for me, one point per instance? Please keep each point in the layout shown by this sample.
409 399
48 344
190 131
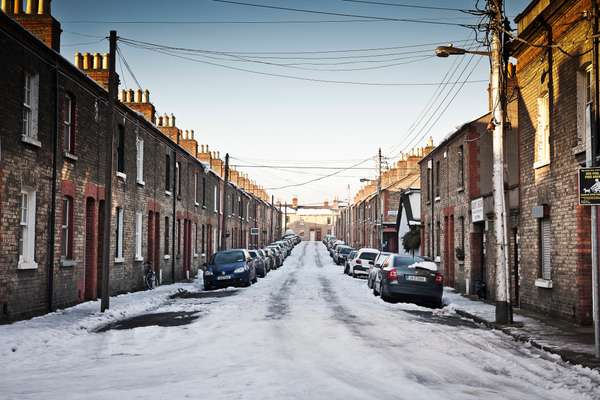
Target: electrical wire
380 3
420 21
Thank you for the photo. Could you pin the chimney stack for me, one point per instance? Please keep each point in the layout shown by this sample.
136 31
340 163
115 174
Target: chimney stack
138 101
95 66
36 18
166 124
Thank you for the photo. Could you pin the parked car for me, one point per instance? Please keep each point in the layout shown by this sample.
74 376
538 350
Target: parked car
334 246
259 263
359 266
230 268
349 258
341 252
381 258
279 258
268 260
409 279
270 253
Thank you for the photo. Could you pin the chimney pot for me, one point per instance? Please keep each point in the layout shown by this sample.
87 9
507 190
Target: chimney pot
43 7
172 120
8 6
86 61
138 96
97 61
130 96
192 134
146 96
122 95
160 121
32 7
105 61
18 7
78 60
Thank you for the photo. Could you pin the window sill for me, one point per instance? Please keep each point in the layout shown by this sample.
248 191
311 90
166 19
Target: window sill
27 265
70 156
540 164
460 189
119 260
196 204
580 148
122 175
203 207
543 283
31 141
168 193
438 198
65 263
138 259
195 255
141 183
167 257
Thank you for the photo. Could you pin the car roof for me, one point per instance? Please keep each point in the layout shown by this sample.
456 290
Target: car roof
368 249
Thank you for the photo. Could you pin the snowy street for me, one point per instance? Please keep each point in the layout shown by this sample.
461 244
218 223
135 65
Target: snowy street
306 331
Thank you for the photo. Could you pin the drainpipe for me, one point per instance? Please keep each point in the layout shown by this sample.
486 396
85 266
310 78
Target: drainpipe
52 221
175 194
592 162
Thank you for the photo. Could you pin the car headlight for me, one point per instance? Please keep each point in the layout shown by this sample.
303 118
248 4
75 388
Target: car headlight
239 270
208 273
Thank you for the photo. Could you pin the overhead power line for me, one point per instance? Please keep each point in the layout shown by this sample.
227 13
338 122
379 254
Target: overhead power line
337 14
294 77
381 3
302 167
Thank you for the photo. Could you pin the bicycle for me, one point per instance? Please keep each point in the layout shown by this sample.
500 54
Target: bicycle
150 277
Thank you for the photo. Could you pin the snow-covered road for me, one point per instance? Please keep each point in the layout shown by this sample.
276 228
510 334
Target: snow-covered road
305 332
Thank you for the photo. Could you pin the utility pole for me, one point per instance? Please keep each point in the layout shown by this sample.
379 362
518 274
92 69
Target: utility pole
285 218
591 161
108 173
380 202
224 204
271 236
503 304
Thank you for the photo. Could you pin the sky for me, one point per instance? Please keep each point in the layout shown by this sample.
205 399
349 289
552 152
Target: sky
282 122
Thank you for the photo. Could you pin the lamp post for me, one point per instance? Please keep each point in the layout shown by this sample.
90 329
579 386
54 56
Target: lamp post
503 304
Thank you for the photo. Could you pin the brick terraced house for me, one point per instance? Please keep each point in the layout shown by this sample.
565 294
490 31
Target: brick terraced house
168 192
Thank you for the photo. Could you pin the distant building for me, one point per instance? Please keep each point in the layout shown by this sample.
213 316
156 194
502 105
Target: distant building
311 222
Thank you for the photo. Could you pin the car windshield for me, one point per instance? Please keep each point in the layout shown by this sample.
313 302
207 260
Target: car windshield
405 261
228 257
368 256
352 254
253 253
345 250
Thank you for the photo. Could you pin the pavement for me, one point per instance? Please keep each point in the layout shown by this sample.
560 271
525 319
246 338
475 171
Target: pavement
306 331
573 343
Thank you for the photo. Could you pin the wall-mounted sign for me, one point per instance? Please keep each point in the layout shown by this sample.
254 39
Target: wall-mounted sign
254 231
477 210
589 186
393 213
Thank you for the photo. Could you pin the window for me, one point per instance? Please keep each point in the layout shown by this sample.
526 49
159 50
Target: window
196 187
138 236
215 198
121 150
204 191
437 179
167 227
68 128
168 174
438 234
328 220
461 221
461 166
27 230
545 249
203 237
66 250
585 103
429 181
178 238
195 241
139 161
178 179
119 236
30 107
542 134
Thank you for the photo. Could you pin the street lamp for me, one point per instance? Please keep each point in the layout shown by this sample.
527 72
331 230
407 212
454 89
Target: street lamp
450 50
503 303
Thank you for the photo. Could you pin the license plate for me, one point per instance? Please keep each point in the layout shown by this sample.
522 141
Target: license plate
415 278
223 277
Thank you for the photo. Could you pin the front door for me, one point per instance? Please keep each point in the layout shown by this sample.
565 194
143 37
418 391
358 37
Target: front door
91 248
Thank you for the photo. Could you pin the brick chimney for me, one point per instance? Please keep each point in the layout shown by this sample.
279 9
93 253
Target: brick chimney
36 18
189 143
217 164
139 101
233 176
95 66
204 155
166 124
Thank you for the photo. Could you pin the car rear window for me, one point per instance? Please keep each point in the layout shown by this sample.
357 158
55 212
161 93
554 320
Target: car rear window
405 261
228 257
345 250
368 256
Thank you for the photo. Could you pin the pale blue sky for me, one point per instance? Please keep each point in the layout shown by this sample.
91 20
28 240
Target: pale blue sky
273 120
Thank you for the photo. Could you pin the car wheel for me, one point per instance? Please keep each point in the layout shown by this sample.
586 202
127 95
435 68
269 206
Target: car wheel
384 296
208 287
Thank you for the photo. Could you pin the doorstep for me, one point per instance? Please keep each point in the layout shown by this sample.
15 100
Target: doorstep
572 342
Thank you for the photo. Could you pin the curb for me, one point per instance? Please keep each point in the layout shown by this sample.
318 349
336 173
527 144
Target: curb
574 358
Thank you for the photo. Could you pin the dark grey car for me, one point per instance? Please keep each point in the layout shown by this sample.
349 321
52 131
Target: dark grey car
341 253
410 279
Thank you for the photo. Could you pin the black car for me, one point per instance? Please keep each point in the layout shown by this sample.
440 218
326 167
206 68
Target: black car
411 279
230 268
341 253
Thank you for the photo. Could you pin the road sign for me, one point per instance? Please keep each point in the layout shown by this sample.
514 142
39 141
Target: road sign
589 186
254 231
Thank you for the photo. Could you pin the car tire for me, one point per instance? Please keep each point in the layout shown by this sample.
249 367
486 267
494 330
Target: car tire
208 287
385 297
255 280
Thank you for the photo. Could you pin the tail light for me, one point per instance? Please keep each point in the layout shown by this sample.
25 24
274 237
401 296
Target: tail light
392 275
439 278
358 262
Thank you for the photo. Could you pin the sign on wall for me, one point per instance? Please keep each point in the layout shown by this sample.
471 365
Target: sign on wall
477 210
589 186
254 231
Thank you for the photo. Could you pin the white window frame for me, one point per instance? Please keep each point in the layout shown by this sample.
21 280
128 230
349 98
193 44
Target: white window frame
195 240
177 179
542 133
119 239
138 236
585 102
546 264
65 228
27 230
139 144
68 125
196 189
216 204
30 109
